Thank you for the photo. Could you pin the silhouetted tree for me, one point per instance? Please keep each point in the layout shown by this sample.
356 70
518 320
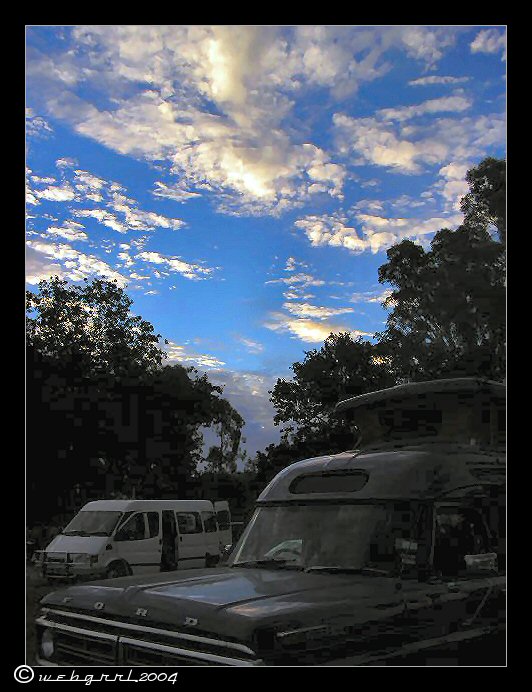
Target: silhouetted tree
102 414
343 367
485 203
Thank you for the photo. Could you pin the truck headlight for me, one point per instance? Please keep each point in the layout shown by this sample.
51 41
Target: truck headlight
47 643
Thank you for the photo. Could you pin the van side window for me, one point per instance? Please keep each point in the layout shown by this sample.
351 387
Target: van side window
459 531
133 530
189 522
153 524
209 521
224 520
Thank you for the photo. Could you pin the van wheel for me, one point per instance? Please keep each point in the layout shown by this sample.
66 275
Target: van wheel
116 569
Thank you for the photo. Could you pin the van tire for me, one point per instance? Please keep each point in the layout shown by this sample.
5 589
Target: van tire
117 569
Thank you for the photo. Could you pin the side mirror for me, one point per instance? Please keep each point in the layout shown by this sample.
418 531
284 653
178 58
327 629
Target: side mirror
226 552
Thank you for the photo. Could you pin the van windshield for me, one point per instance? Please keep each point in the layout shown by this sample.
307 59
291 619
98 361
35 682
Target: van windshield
326 536
99 523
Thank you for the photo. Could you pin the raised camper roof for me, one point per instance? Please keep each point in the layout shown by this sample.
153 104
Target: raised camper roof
463 410
456 385
420 472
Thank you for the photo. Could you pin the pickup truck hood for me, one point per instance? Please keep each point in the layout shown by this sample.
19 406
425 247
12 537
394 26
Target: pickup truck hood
233 603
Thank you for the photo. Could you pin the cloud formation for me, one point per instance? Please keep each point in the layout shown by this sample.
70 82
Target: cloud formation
307 330
216 104
72 264
373 232
490 41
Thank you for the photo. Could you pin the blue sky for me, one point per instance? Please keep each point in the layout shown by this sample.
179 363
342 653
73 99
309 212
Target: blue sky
244 182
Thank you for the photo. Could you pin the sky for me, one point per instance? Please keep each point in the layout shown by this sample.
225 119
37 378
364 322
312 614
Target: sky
243 183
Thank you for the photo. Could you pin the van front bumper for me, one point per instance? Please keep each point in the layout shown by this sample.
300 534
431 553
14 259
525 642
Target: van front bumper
70 570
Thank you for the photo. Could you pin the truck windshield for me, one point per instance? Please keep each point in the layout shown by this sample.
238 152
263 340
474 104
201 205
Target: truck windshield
87 523
326 536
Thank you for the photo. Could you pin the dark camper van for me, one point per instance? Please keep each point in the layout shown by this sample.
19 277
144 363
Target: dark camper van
389 554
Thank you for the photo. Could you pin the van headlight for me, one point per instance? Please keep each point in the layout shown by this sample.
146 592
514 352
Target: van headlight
47 643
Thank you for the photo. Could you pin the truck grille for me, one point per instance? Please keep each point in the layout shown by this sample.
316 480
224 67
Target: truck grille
80 638
82 650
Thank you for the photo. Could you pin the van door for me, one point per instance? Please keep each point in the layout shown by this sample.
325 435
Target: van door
191 540
212 536
169 547
223 517
137 541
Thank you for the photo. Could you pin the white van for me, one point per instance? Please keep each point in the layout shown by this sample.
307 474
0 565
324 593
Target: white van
112 538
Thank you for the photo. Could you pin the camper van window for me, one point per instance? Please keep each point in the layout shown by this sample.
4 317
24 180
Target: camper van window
153 523
133 530
224 520
458 532
209 521
189 522
92 524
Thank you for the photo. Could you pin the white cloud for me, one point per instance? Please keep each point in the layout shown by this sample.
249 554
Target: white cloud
83 186
176 192
251 346
300 280
452 185
307 330
36 126
455 104
437 79
218 106
103 217
66 163
180 354
176 264
406 149
74 265
490 41
314 311
38 267
141 220
371 296
70 230
56 193
375 233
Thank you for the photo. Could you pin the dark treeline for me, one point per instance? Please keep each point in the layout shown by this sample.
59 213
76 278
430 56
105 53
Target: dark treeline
107 418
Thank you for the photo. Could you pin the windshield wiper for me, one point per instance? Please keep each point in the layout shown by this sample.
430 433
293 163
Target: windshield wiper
75 533
333 568
348 570
284 564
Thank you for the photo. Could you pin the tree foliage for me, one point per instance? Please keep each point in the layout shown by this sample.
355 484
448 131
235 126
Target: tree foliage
103 413
343 367
485 203
92 325
448 311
